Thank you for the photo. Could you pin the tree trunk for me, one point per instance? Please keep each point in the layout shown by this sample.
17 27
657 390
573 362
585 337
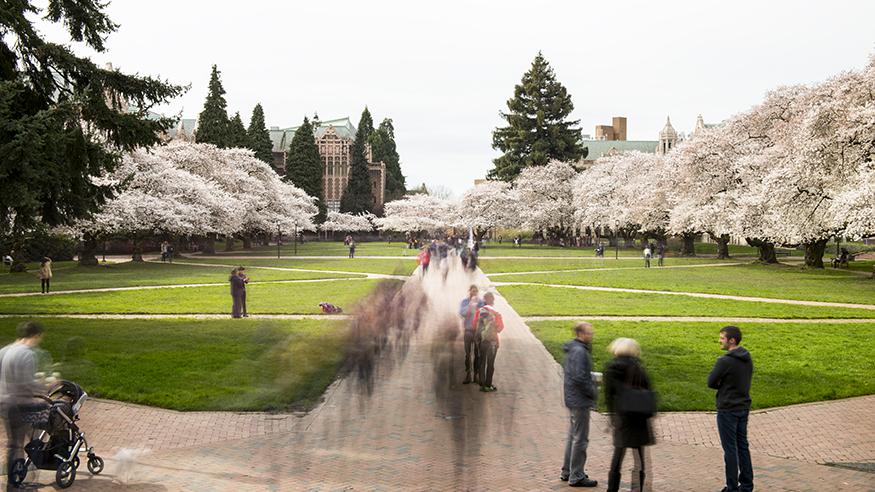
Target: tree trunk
229 242
814 253
689 247
209 245
766 250
247 241
88 256
18 260
138 248
722 246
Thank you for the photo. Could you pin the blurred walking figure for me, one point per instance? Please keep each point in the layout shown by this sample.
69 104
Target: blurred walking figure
245 279
238 291
489 324
45 273
467 310
647 257
580 396
17 387
625 380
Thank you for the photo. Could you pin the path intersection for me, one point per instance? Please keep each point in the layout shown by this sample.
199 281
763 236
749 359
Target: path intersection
418 429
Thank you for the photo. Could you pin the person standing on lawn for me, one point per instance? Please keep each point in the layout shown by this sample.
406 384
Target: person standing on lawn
45 273
238 291
580 396
731 377
467 310
243 276
489 324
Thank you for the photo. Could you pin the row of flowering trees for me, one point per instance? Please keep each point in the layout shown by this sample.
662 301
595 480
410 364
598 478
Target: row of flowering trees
795 170
185 189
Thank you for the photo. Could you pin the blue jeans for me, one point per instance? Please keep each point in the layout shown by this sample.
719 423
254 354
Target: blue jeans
575 446
732 427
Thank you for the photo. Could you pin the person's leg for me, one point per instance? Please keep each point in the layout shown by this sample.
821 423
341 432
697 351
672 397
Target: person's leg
491 351
614 473
727 427
236 307
48 285
16 430
639 474
569 443
43 285
745 467
481 364
580 428
469 355
243 302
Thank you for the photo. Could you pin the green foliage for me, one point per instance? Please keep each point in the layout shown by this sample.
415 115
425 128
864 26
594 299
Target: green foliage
304 164
537 129
182 364
358 197
61 119
383 149
213 125
259 136
237 133
793 362
42 242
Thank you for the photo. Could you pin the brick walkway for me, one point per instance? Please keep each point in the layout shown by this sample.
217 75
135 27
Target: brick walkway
417 431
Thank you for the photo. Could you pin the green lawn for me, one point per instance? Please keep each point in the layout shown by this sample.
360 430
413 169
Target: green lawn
269 298
753 280
793 363
183 364
492 266
400 266
538 300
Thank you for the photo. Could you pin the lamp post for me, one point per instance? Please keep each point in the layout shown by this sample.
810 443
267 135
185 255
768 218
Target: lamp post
296 238
617 238
279 239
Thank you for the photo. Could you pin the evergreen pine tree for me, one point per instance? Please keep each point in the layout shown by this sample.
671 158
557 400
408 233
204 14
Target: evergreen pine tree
213 124
259 136
237 133
358 196
65 120
383 150
304 164
537 129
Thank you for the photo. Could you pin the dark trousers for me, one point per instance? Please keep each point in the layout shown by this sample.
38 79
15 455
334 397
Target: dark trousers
472 353
732 427
244 303
16 430
486 365
237 307
45 283
638 472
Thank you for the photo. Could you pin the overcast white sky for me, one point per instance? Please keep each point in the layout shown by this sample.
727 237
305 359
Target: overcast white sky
443 70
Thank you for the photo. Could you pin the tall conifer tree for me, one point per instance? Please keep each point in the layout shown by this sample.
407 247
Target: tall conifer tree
304 164
537 130
237 133
358 196
213 124
259 136
383 150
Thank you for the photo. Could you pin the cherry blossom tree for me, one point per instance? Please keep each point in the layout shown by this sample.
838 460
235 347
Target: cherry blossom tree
348 222
415 214
487 206
548 195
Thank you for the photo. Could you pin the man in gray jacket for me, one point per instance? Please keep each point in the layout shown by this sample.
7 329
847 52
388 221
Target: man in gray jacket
731 377
580 396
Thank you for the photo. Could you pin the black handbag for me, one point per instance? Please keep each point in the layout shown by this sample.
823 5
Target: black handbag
633 397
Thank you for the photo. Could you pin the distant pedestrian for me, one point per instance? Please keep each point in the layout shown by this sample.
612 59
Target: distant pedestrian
45 273
170 250
467 310
351 248
631 429
163 251
245 279
238 291
647 257
580 396
489 324
731 377
660 252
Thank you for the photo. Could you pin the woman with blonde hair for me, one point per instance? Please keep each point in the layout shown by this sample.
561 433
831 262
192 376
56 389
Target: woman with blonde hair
632 429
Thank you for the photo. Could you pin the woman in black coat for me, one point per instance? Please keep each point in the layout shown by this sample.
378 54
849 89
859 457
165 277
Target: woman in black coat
631 430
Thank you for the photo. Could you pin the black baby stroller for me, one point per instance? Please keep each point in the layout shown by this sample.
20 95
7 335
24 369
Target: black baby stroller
56 439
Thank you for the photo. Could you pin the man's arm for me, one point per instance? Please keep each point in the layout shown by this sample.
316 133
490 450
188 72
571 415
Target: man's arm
715 377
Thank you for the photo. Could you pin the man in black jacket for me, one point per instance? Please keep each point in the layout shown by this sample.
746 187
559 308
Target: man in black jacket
731 378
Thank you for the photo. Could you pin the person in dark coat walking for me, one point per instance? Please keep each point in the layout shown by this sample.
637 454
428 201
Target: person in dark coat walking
238 290
580 396
631 430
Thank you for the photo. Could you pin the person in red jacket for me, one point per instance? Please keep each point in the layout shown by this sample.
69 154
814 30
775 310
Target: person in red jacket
488 324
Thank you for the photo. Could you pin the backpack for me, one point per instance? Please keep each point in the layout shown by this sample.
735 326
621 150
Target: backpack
485 325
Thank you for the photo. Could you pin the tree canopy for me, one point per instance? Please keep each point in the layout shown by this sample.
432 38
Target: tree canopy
259 136
383 150
213 125
63 119
237 133
303 163
358 197
538 130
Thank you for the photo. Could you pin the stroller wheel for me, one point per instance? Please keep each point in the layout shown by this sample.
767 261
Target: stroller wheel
95 465
18 471
65 475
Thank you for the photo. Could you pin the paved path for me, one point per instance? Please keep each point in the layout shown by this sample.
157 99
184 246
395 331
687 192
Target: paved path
419 431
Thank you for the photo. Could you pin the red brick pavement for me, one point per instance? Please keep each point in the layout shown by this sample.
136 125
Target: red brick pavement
419 430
